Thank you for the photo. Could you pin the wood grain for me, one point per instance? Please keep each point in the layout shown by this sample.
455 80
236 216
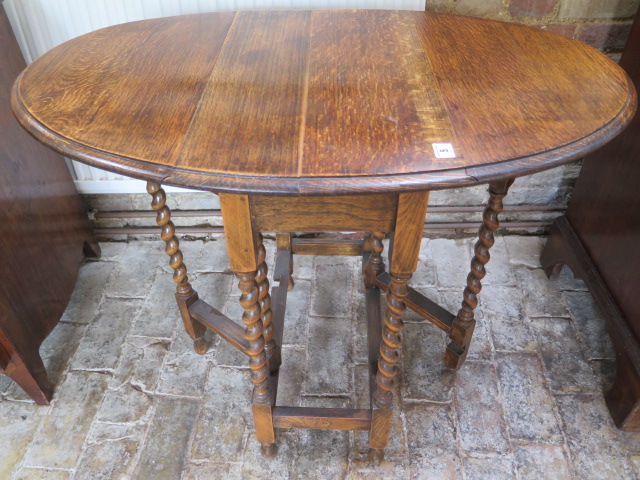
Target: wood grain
324 214
323 102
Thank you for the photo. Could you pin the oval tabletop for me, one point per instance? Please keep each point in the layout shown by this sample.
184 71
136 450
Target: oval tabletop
322 102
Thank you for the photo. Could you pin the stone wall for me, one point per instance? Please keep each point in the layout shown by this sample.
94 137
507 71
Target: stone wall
603 24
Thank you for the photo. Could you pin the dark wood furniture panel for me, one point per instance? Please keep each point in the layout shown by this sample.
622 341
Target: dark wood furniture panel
599 239
43 227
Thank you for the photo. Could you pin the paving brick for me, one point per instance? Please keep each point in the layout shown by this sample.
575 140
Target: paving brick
524 251
111 251
424 376
140 363
541 462
452 261
494 467
303 266
183 374
425 274
164 452
328 352
214 288
111 451
567 281
159 313
431 436
136 270
27 473
19 422
291 376
598 9
532 8
590 325
364 470
87 293
213 471
127 404
332 295
499 270
101 345
478 8
541 297
324 451
480 416
591 437
295 320
566 369
529 408
225 416
212 257
58 443
481 346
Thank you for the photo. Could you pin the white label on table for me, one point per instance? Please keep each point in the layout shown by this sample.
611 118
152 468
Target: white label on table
444 150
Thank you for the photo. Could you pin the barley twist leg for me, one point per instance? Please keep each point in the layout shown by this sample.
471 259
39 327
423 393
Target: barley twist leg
464 324
185 295
264 299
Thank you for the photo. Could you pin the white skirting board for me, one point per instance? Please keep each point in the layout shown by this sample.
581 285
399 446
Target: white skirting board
40 25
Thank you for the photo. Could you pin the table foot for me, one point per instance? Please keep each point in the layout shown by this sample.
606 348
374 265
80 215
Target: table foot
464 324
268 450
185 295
376 455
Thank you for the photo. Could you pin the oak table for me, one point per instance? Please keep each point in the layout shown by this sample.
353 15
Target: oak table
324 121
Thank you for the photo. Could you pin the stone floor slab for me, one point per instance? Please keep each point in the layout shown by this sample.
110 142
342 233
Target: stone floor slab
18 425
58 443
529 408
480 415
541 462
165 450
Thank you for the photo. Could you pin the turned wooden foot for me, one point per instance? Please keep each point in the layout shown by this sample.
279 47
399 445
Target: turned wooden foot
185 295
464 324
268 450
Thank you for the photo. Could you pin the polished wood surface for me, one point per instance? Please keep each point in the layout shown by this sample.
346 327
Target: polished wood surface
599 240
43 228
323 102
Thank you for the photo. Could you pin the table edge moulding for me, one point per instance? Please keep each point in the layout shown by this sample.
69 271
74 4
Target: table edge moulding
324 121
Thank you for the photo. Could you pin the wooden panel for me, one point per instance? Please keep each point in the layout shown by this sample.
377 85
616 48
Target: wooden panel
372 98
132 89
558 91
43 227
249 118
321 418
327 246
324 214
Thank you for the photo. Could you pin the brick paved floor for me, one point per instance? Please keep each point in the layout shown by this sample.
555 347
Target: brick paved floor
133 401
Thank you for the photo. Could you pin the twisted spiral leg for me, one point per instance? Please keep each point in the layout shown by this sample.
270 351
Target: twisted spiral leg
464 324
185 295
264 299
254 334
389 355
